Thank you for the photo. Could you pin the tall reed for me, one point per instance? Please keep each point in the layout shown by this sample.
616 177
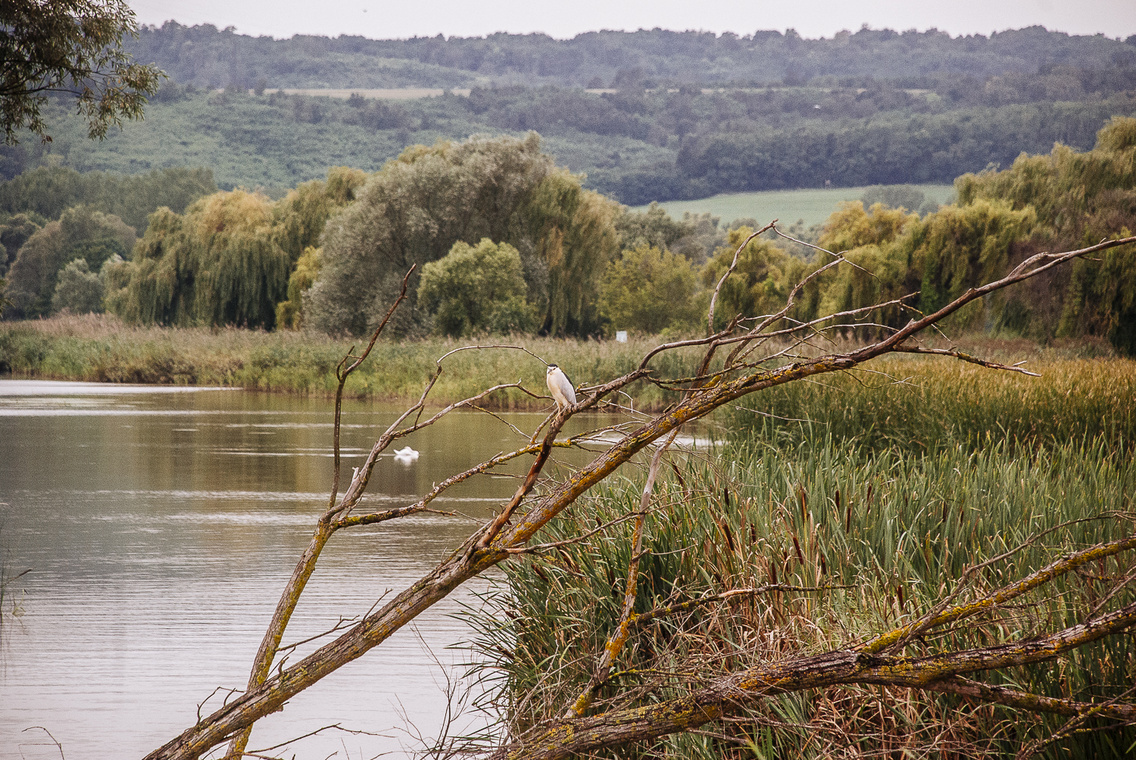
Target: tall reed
921 404
873 509
102 349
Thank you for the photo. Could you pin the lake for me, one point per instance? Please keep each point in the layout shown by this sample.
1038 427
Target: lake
160 524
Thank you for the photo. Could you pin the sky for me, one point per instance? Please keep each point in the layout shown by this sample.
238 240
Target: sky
395 19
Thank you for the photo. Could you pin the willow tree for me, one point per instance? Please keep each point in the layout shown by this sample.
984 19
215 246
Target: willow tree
217 265
297 227
14 232
575 236
1077 195
1001 218
474 289
79 290
290 312
298 219
228 259
649 290
852 225
881 269
415 209
1078 198
960 246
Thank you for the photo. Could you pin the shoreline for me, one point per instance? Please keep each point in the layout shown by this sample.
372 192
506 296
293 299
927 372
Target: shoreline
103 349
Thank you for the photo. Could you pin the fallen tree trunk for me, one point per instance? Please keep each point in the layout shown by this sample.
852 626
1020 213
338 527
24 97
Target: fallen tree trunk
501 538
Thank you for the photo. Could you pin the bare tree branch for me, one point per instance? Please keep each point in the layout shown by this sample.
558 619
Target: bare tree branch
1035 703
622 630
728 272
515 526
966 358
343 371
565 738
1002 595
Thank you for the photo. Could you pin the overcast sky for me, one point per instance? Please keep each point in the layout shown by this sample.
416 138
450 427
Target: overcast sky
385 19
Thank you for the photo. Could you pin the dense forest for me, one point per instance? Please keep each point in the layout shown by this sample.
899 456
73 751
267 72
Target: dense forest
667 115
210 58
331 253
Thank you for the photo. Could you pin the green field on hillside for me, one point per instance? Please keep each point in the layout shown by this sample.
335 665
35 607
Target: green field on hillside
788 206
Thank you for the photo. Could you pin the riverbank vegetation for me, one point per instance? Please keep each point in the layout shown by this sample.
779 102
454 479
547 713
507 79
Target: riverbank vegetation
331 253
776 549
99 348
1082 383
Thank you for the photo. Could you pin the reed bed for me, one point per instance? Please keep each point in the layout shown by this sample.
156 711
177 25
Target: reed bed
872 508
99 348
925 403
905 400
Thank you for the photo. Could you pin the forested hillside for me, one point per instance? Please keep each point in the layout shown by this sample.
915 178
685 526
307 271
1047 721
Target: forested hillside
207 57
636 148
669 116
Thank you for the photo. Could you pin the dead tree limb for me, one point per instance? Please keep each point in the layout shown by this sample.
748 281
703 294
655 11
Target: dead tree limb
566 738
528 513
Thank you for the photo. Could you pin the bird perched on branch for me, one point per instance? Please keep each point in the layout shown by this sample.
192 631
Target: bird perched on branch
560 387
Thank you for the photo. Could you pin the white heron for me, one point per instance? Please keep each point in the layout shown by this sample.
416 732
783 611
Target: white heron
560 387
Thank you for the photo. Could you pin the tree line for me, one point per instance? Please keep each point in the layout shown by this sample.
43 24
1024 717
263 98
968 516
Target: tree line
209 57
565 260
659 124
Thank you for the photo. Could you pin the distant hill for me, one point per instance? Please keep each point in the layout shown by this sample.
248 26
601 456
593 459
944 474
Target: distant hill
647 116
207 57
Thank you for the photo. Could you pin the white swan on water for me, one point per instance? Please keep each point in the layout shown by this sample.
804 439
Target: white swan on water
406 455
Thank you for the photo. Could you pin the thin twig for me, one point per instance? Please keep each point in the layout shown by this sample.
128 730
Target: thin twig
342 373
575 540
727 273
1037 745
966 358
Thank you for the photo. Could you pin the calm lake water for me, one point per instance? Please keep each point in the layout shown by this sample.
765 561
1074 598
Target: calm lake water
160 525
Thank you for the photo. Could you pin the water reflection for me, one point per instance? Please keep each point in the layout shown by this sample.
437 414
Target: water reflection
160 525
